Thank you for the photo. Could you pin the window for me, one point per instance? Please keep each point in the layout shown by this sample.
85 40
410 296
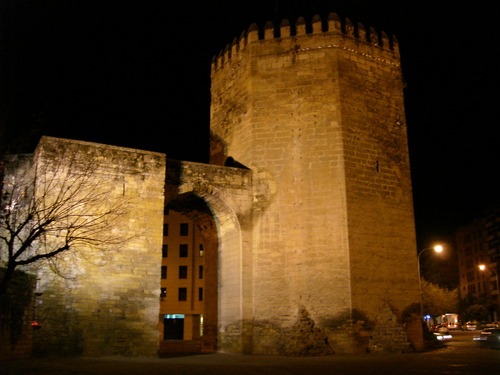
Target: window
165 229
470 276
166 211
469 263
163 272
200 294
184 229
472 289
183 272
182 294
164 251
183 250
163 293
201 249
200 272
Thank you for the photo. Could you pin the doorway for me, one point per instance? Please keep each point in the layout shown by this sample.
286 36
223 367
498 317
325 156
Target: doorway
173 327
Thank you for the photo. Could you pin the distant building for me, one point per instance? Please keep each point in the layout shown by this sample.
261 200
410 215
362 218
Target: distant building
181 296
478 244
470 243
492 248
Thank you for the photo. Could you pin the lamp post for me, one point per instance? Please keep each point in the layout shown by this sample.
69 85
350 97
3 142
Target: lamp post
482 267
437 249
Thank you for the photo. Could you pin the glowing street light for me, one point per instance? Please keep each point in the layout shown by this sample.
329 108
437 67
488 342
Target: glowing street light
437 249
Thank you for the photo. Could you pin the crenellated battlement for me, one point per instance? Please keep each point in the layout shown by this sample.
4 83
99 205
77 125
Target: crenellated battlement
334 33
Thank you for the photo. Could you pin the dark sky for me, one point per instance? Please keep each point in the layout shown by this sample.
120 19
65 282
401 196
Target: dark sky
137 74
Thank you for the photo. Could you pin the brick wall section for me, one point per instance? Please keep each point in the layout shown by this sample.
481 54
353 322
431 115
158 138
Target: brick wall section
322 127
108 301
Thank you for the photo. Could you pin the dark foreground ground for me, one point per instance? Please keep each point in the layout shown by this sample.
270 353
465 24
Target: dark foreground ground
461 355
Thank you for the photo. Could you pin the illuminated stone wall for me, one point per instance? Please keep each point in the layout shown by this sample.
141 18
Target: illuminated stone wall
105 300
319 119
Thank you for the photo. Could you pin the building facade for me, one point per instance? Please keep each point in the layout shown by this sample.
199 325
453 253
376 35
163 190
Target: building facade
470 243
478 245
182 279
492 268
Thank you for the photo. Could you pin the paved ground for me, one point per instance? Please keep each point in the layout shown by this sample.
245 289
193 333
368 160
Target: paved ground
460 356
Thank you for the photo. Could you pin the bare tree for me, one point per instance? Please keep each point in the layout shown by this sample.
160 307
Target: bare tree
50 207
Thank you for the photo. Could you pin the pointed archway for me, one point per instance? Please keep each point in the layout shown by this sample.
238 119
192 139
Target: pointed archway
218 200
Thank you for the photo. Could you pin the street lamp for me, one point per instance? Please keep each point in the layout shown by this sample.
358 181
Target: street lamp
437 249
482 267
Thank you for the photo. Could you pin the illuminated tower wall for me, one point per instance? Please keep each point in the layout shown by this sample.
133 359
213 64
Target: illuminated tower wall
318 116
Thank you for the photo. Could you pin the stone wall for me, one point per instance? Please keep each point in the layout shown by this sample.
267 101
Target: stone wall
104 299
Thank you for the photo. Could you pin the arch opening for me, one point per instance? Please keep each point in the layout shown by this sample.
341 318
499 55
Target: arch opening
189 295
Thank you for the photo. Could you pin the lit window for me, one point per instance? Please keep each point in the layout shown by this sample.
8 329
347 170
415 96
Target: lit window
201 249
163 293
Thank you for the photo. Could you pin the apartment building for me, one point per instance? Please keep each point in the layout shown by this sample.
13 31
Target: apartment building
182 281
491 269
470 243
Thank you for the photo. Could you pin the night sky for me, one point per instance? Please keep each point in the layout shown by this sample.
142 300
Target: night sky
137 74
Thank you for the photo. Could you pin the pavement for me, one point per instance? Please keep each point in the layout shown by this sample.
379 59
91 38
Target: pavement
460 356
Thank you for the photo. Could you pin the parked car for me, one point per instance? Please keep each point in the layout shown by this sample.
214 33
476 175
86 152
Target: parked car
489 337
443 329
440 328
491 325
469 326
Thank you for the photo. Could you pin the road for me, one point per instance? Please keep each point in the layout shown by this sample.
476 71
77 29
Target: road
460 356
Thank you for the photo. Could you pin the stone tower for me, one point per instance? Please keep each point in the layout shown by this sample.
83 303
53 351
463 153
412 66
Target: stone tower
318 116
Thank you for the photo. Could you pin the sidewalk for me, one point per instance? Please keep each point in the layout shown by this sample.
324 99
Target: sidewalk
220 364
458 357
